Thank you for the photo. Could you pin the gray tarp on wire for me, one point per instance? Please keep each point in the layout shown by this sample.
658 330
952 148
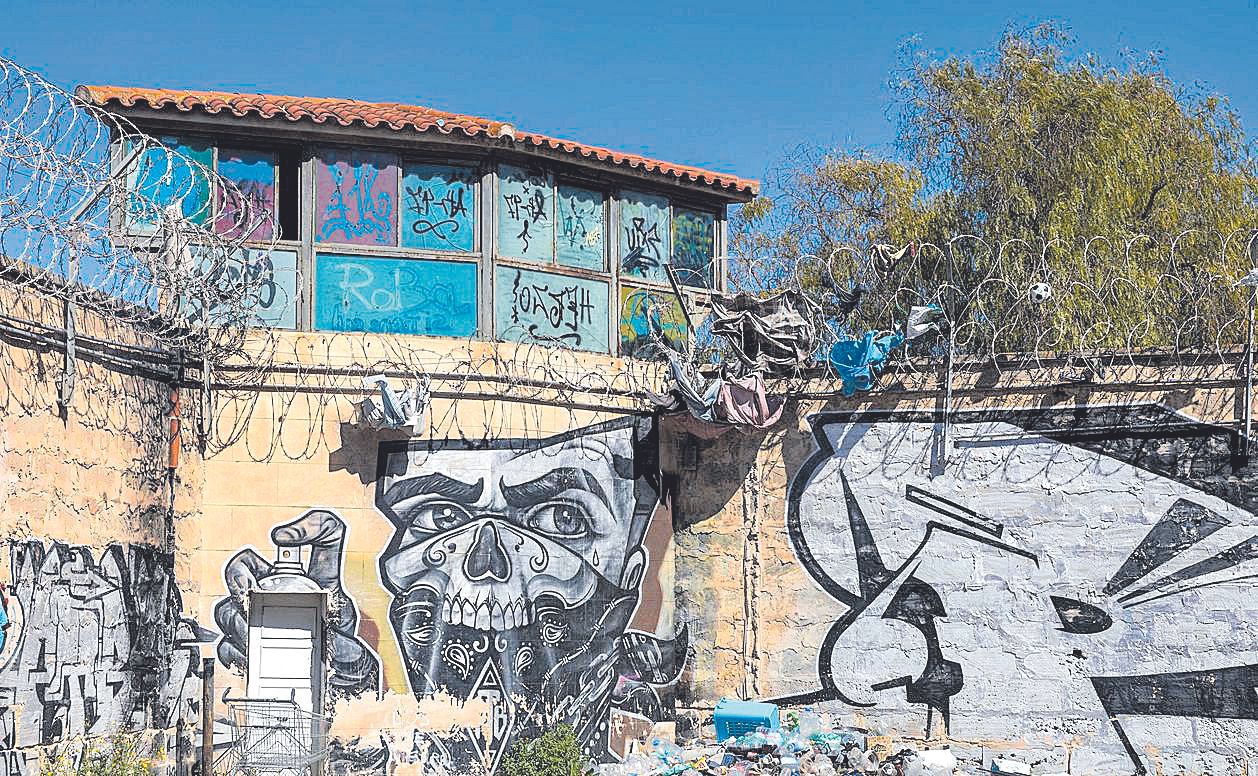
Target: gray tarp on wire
768 334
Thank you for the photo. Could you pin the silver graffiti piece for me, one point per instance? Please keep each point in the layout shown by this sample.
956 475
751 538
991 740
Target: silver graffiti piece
96 646
515 571
354 668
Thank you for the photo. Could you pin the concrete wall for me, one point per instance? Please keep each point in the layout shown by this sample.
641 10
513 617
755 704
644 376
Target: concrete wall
507 569
1061 578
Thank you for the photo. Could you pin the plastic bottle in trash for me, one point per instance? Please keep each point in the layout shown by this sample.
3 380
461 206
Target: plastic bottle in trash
788 765
809 722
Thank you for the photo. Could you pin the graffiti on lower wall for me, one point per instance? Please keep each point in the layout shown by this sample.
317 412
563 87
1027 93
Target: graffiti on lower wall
1086 572
517 572
353 668
94 646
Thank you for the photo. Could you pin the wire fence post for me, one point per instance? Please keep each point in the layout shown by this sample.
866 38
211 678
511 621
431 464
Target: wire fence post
207 716
65 387
1247 403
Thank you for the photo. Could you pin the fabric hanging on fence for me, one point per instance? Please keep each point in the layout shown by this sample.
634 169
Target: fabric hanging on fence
885 257
742 402
922 320
697 394
770 334
849 300
859 362
745 402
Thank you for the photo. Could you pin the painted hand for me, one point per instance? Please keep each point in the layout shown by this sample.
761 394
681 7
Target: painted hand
354 668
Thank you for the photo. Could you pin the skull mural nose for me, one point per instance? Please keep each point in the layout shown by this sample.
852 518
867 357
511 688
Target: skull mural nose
487 559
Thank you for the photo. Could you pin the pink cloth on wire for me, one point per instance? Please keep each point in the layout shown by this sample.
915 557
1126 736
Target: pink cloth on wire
744 402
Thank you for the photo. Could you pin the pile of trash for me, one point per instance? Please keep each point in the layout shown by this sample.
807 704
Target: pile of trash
753 740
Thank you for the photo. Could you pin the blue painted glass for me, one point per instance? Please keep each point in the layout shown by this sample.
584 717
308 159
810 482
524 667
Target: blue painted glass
550 309
580 239
269 278
694 246
249 210
526 214
439 208
643 242
397 296
158 179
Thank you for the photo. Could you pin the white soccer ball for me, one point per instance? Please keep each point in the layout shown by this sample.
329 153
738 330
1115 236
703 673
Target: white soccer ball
1040 293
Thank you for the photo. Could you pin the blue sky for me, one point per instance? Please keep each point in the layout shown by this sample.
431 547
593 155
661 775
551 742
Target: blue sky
729 87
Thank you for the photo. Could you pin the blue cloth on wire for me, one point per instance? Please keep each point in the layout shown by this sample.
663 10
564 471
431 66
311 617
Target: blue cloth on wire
860 361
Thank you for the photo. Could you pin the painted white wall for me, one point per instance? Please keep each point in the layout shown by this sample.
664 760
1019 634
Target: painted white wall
1081 514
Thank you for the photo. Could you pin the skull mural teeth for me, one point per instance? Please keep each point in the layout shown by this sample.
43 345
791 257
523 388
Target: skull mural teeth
487 614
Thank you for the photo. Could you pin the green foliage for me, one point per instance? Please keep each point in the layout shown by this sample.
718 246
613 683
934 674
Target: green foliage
554 753
1033 154
122 755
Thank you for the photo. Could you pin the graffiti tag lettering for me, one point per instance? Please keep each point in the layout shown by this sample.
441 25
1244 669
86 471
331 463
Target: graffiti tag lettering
566 309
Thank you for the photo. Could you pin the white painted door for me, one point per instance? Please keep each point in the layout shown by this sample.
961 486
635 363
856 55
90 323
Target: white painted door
284 655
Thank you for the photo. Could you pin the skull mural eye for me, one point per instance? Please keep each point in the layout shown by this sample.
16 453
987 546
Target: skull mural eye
559 520
436 516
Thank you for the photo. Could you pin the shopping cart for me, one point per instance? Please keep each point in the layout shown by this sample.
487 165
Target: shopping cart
272 737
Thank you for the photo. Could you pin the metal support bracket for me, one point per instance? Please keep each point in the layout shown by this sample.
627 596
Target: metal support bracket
205 416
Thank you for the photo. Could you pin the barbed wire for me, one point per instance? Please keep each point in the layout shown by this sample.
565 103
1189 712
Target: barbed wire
1094 303
132 228
163 252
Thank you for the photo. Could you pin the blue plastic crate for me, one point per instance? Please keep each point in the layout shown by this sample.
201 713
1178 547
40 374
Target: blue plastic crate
733 717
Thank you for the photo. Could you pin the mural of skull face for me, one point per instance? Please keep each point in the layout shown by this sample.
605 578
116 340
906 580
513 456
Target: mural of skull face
515 571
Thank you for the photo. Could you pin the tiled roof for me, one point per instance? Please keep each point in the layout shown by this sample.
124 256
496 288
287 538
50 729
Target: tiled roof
396 116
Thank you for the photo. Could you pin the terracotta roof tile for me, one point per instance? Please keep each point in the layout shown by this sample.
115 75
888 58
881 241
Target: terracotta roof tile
323 110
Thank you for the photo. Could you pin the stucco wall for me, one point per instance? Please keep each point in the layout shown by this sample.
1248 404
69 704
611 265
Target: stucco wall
1065 573
438 663
93 606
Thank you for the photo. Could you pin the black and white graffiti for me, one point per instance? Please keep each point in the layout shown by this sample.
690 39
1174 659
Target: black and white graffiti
515 570
353 667
95 646
1069 574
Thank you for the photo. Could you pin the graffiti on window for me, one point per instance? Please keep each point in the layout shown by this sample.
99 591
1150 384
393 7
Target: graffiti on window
646 317
157 179
249 211
526 218
694 246
551 309
580 239
397 296
643 244
355 194
438 208
265 279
